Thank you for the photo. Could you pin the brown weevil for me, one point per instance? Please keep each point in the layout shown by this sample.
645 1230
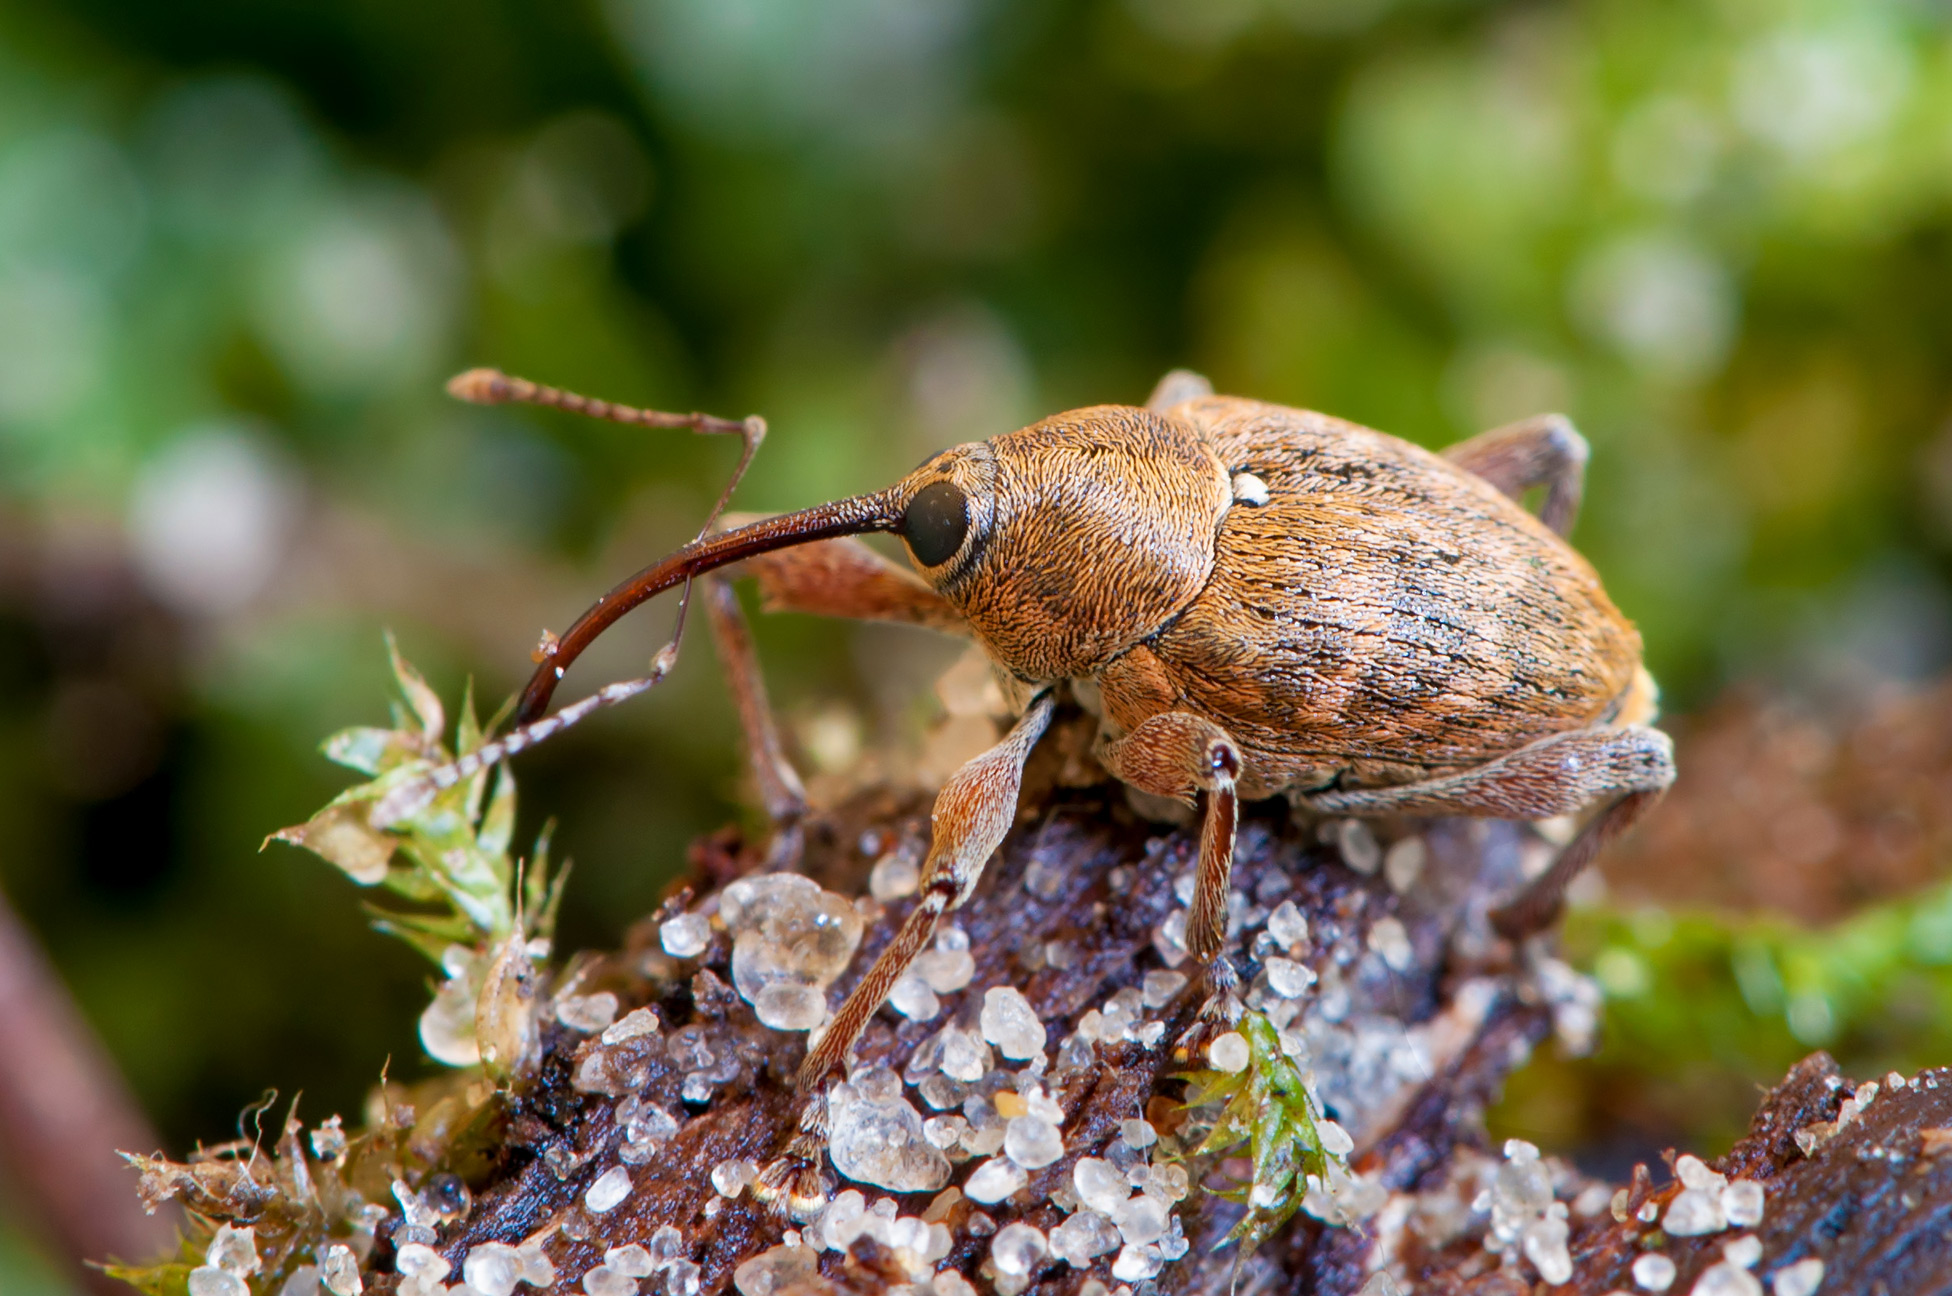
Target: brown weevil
1255 601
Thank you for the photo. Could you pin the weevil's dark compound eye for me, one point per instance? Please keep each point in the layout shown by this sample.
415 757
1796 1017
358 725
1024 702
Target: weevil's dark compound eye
936 522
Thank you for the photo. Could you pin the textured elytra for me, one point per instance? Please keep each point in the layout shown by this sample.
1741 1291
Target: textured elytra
1385 613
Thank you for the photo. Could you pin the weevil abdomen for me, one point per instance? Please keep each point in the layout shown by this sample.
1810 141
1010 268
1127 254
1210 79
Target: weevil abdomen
1383 616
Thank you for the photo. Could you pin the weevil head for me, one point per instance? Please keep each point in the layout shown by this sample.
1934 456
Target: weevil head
1069 541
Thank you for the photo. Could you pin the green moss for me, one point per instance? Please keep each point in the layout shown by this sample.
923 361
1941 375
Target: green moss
1267 1111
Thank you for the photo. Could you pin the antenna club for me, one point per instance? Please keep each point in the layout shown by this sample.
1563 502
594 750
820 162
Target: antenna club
481 387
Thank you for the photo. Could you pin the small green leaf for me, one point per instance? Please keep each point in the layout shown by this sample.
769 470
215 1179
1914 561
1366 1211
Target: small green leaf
153 1280
425 702
498 825
362 748
341 835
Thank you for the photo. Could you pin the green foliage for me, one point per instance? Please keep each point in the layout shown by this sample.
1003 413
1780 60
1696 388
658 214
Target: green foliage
1268 1110
450 852
1751 994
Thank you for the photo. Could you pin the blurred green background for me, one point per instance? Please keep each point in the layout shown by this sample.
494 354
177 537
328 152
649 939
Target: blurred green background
242 244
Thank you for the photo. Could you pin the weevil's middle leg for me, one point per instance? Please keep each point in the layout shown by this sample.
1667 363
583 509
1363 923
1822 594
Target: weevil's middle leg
973 813
1542 451
1180 755
781 793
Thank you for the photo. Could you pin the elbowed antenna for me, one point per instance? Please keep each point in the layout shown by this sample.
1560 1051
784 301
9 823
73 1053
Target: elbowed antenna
858 515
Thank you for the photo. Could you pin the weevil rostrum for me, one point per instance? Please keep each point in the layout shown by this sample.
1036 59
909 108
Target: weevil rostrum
1256 601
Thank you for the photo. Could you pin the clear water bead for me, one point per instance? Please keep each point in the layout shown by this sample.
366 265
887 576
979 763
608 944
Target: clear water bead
946 970
894 875
418 1260
965 1056
1140 1219
1100 1184
951 1283
1743 1251
787 931
608 1192
632 1261
682 1278
1403 863
234 1250
1169 938
1032 1142
339 1271
730 1177
790 1007
1017 1248
587 1013
1653 1272
1228 1053
1288 978
1694 1213
878 1140
1137 1263
994 1180
913 999
1360 850
1799 1279
1010 1023
775 1269
209 1280
492 1268
1391 942
1726 1280
1544 1245
1082 1237
685 936
1159 987
1742 1203
636 1023
1289 926
605 1281
941 1093
1694 1173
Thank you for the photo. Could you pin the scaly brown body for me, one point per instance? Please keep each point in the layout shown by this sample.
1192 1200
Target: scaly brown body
1256 599
1384 617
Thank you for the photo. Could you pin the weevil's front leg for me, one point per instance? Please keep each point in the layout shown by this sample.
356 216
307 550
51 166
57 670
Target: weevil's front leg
1180 755
845 578
1542 451
1178 385
1628 766
972 814
781 794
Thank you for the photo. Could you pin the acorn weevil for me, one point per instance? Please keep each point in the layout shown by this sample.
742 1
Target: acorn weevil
1255 601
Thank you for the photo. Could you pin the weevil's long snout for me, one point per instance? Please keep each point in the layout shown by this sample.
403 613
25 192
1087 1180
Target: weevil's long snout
880 511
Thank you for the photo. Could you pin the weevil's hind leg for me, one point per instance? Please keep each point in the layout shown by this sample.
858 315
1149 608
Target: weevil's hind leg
1180 755
1627 765
1177 386
781 793
1542 451
1538 906
973 813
